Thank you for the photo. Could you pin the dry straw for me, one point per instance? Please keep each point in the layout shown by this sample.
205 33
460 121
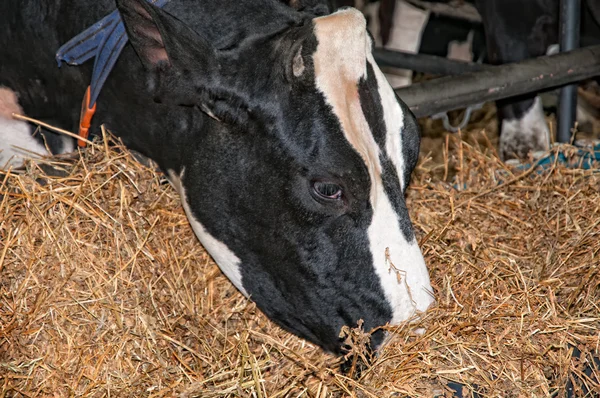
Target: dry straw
104 290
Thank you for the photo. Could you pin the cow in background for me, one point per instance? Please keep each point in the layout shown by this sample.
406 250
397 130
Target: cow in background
515 36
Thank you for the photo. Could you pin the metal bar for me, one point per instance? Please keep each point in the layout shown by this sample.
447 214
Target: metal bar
504 81
569 40
425 63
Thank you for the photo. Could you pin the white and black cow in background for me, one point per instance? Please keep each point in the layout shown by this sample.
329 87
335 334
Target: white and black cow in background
518 30
289 149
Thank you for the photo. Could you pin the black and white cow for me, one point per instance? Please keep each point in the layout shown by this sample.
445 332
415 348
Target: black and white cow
518 30
290 151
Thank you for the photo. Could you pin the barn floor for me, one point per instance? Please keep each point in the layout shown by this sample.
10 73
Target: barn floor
104 290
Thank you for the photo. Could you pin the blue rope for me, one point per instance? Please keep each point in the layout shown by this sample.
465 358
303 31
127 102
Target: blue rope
580 158
104 41
573 157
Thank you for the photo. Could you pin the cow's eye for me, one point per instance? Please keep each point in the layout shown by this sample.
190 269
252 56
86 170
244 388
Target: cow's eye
327 190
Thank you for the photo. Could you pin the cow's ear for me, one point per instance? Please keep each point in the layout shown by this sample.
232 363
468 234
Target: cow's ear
179 60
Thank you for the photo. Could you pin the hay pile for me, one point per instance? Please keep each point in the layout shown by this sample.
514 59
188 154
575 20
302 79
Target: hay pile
105 291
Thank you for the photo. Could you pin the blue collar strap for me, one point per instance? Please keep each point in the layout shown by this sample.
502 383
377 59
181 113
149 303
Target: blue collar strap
104 40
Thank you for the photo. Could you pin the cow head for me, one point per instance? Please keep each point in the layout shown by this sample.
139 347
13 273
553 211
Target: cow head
294 173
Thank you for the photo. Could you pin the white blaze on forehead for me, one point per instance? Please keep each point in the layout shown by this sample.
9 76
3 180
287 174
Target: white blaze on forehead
227 261
340 60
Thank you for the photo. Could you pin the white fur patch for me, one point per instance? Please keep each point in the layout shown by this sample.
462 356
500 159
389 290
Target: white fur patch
407 29
68 144
342 36
528 134
227 261
462 50
16 141
393 118
398 264
406 283
553 49
17 144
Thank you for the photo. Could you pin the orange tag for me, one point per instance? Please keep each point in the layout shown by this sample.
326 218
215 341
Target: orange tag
85 118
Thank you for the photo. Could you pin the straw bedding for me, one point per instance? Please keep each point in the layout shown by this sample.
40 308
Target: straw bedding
105 291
